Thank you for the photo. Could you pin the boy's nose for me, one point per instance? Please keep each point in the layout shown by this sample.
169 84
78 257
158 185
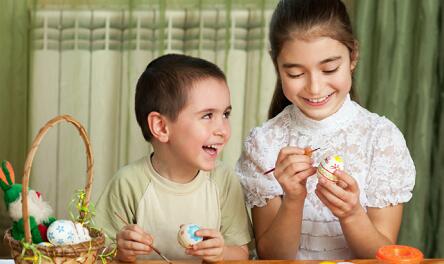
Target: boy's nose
222 130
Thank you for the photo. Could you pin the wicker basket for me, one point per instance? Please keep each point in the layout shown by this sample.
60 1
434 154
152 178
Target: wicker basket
85 252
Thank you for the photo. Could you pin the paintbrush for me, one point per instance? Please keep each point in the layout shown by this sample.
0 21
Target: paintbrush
307 151
155 249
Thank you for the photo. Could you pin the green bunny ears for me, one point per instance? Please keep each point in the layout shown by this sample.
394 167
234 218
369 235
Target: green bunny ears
7 179
7 175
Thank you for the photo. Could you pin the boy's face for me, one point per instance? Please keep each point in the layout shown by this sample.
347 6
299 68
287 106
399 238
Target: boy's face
202 127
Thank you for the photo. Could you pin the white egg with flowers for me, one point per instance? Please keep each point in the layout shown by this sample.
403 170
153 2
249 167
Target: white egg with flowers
65 232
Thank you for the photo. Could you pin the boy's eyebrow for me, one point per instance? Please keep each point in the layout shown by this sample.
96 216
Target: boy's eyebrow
214 109
296 65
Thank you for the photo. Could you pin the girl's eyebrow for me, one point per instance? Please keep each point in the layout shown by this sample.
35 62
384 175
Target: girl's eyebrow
296 65
330 59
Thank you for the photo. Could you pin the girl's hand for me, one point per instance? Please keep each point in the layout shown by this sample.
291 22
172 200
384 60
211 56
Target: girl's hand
342 198
211 249
292 169
132 241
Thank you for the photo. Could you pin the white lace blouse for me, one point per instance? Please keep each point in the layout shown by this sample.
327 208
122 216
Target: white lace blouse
374 152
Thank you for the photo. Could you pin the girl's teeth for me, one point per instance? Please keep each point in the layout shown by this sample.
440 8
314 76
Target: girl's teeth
317 100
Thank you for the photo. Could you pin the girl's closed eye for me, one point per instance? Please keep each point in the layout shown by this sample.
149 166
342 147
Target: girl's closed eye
330 71
295 76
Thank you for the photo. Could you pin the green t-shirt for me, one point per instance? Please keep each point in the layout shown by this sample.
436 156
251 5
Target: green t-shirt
212 199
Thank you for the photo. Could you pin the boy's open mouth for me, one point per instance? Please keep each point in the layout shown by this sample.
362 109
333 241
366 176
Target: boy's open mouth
211 149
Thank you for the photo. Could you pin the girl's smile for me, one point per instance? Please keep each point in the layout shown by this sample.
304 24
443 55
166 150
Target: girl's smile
315 75
320 101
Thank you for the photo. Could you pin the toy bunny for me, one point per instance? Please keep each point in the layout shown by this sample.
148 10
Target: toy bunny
39 211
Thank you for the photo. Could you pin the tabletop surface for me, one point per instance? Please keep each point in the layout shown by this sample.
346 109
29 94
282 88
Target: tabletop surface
360 261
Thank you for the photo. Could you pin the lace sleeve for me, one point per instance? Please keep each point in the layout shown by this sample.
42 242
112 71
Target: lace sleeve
259 155
392 172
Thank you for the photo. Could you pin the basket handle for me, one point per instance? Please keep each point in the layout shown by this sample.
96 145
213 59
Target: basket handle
30 157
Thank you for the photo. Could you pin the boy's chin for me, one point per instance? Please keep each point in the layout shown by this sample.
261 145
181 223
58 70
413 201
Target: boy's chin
208 166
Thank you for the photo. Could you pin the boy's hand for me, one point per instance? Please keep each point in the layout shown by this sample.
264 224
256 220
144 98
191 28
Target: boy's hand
131 242
211 249
342 198
292 169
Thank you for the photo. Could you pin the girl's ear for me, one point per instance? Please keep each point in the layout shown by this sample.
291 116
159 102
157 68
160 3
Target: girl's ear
157 124
7 177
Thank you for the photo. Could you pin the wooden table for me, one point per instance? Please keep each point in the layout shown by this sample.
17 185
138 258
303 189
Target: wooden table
360 261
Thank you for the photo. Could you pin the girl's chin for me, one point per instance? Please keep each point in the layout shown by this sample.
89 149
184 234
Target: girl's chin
317 114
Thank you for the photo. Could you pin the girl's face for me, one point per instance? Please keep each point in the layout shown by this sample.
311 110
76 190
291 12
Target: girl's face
315 75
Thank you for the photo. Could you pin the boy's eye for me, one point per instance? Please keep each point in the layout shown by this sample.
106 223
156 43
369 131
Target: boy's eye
331 71
227 114
208 116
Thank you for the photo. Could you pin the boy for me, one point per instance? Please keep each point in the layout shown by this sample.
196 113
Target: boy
182 106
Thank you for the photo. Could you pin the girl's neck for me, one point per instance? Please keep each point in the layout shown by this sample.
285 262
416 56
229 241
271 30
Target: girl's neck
171 169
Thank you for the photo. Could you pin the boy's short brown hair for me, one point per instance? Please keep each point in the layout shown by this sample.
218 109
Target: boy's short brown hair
163 86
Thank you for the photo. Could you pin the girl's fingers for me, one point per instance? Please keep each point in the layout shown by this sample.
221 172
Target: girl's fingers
295 168
335 210
284 152
333 188
291 159
332 198
342 184
303 175
323 199
350 181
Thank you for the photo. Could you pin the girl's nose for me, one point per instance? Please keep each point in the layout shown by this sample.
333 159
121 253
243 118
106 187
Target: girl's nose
314 85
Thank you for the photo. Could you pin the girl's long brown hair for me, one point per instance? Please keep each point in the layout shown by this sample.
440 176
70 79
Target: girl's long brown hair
305 19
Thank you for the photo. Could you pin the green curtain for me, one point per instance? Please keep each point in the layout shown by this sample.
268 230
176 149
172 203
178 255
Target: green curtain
86 59
14 61
49 70
435 205
398 76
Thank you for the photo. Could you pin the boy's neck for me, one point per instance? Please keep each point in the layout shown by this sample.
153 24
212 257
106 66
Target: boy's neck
171 169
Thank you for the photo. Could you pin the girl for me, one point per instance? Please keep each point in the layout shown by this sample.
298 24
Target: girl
295 215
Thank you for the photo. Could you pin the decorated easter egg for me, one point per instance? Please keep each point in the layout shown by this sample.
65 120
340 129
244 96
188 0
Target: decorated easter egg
187 237
65 232
45 244
329 166
82 233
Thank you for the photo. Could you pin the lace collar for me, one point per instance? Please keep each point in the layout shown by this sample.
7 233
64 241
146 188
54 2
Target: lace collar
330 124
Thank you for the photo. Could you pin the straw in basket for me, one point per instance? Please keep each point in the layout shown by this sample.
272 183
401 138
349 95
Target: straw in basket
25 251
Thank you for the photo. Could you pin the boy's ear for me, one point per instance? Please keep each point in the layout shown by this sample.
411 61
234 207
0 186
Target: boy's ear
157 124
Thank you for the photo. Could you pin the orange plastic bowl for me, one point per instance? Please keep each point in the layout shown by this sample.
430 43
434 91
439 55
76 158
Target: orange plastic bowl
398 254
